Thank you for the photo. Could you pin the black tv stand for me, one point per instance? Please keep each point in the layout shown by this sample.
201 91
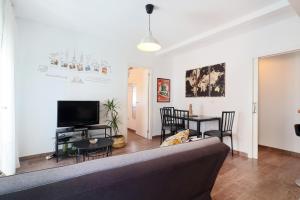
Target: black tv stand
71 135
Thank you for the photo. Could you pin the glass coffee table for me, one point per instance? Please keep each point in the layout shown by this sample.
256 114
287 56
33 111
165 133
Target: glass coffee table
85 148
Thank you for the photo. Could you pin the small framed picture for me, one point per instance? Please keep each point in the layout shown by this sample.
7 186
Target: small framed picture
163 90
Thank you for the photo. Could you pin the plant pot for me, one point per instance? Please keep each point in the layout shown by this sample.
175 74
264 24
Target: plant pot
118 141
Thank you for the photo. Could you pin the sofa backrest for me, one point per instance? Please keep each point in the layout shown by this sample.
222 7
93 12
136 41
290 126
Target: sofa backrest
187 170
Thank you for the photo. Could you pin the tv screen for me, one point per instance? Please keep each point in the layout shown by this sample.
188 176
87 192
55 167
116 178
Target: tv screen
77 113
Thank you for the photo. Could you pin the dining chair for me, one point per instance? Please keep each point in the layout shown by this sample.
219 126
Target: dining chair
167 121
225 129
181 116
297 131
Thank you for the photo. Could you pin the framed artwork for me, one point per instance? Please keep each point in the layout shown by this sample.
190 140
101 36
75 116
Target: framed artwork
217 80
191 82
203 83
163 90
206 81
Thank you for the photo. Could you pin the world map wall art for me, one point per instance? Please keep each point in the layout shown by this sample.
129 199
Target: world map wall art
206 81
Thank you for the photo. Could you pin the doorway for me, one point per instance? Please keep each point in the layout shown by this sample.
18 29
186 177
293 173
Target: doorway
275 102
139 99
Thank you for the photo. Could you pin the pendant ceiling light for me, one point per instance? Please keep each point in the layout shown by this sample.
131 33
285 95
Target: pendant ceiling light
149 43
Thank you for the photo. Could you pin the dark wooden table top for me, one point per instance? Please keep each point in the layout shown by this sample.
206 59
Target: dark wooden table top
203 118
199 118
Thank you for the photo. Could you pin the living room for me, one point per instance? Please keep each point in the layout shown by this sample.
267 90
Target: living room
59 55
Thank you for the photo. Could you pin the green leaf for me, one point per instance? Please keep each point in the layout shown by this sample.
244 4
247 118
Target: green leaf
112 115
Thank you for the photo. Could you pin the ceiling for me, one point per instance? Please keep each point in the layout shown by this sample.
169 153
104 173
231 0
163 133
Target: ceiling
173 21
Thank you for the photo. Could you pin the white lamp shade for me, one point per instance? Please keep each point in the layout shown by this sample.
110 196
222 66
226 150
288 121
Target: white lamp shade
149 44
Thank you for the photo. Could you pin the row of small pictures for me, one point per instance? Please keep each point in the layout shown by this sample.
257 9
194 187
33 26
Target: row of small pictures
80 67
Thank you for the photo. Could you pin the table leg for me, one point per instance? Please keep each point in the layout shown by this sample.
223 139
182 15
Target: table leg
83 156
198 128
77 156
202 134
56 151
107 151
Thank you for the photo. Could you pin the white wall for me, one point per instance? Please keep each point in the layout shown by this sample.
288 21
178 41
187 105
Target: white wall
162 69
37 94
238 54
279 100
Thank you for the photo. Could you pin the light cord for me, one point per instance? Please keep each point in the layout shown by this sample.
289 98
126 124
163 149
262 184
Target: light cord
149 28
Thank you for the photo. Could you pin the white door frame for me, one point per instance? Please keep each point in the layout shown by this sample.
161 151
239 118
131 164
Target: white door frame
149 133
149 106
254 152
255 98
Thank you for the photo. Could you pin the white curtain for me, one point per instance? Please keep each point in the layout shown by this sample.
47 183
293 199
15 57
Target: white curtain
8 157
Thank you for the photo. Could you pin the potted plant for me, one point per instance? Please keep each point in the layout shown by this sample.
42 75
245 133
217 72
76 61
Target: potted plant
113 120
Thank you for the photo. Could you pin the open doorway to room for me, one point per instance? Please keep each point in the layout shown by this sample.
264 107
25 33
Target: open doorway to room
138 103
278 103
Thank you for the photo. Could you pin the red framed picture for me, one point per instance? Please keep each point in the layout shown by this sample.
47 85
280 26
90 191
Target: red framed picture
163 90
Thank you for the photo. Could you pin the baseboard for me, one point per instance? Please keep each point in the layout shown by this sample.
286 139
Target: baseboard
42 155
291 153
239 153
155 136
130 129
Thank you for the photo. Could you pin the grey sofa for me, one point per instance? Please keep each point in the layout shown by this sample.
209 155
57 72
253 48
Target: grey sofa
184 172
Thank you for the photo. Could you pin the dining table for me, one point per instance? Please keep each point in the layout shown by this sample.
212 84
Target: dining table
200 119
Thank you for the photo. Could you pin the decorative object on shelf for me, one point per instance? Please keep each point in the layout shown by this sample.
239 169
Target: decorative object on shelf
207 81
191 110
149 43
65 148
112 114
72 151
93 141
163 90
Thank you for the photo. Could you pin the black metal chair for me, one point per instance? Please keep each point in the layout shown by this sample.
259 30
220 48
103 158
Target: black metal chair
226 128
180 119
167 122
297 131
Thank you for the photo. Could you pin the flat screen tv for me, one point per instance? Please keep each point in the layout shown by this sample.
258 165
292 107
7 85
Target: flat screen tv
77 113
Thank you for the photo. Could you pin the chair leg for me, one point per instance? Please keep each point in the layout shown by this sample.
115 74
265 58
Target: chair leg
231 145
162 136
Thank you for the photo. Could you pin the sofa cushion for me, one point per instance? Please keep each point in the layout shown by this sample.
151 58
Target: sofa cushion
178 138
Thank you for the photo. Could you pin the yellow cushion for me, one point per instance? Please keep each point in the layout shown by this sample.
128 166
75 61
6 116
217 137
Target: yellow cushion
179 138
